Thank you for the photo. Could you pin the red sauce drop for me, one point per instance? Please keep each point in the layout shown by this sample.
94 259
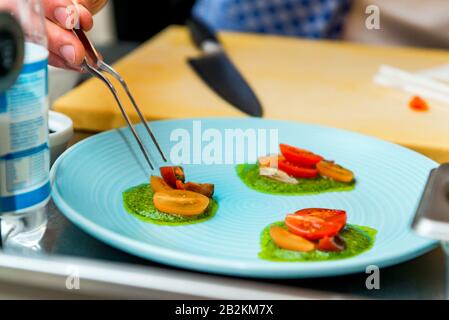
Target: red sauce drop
418 104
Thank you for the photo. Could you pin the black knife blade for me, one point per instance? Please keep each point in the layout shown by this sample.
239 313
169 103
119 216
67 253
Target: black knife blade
219 73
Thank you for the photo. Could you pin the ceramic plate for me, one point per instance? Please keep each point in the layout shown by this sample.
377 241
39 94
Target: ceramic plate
88 181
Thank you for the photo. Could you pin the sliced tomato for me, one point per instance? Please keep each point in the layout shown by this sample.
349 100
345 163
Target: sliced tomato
300 157
315 224
309 227
338 217
295 171
159 184
206 189
171 174
180 202
334 244
180 185
334 171
289 241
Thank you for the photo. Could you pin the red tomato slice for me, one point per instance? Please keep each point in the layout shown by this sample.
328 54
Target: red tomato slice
310 228
180 185
315 224
334 244
337 217
300 157
295 171
171 174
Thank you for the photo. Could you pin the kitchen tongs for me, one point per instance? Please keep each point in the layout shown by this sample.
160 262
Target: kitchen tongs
432 215
95 65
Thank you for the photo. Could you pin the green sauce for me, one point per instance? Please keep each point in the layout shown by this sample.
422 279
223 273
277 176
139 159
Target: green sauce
249 173
138 201
358 239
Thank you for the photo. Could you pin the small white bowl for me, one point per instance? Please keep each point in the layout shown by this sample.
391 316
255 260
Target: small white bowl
61 131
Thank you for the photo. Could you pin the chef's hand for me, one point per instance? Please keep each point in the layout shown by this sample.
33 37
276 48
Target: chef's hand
66 51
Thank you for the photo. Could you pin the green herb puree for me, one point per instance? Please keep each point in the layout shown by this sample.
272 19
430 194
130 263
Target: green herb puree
358 239
249 173
138 201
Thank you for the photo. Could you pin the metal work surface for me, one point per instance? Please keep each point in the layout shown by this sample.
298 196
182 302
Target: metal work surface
66 251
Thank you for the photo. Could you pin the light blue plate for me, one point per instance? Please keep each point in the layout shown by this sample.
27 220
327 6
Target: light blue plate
88 181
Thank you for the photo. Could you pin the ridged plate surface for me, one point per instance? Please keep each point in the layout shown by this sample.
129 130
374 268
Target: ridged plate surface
88 181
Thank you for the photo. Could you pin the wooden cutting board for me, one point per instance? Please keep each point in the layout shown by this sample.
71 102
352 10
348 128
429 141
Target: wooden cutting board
319 82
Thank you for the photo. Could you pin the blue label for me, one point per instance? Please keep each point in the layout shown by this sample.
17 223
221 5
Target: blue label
37 66
24 159
26 200
33 67
25 153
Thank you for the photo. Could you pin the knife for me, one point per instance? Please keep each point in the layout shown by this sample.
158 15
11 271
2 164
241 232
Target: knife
218 72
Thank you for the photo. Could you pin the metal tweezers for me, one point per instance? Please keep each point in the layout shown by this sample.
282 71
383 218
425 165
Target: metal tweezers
95 65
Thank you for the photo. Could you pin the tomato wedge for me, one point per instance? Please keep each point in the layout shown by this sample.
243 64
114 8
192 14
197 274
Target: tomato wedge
300 157
334 244
171 174
206 189
180 185
289 241
159 184
295 171
338 217
180 202
315 224
334 171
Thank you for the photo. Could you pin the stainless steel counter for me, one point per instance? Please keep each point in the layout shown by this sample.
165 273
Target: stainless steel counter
67 253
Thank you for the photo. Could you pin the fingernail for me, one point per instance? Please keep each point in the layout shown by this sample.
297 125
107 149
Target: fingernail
61 15
68 53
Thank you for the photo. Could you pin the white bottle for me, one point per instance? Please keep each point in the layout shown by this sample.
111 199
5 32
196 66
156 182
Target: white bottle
24 150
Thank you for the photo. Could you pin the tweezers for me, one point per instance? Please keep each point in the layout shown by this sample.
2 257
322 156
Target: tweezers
95 65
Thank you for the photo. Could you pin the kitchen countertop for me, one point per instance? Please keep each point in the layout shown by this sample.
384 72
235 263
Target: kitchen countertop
318 82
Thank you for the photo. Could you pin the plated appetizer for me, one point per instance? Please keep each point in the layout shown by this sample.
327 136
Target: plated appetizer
170 200
294 172
315 235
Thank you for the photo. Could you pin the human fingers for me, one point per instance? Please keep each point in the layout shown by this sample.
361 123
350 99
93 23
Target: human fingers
68 14
65 44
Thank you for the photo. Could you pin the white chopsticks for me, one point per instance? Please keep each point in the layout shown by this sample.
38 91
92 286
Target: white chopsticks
413 83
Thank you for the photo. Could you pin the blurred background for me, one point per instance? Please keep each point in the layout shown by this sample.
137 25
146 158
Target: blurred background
120 27
119 21
423 23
